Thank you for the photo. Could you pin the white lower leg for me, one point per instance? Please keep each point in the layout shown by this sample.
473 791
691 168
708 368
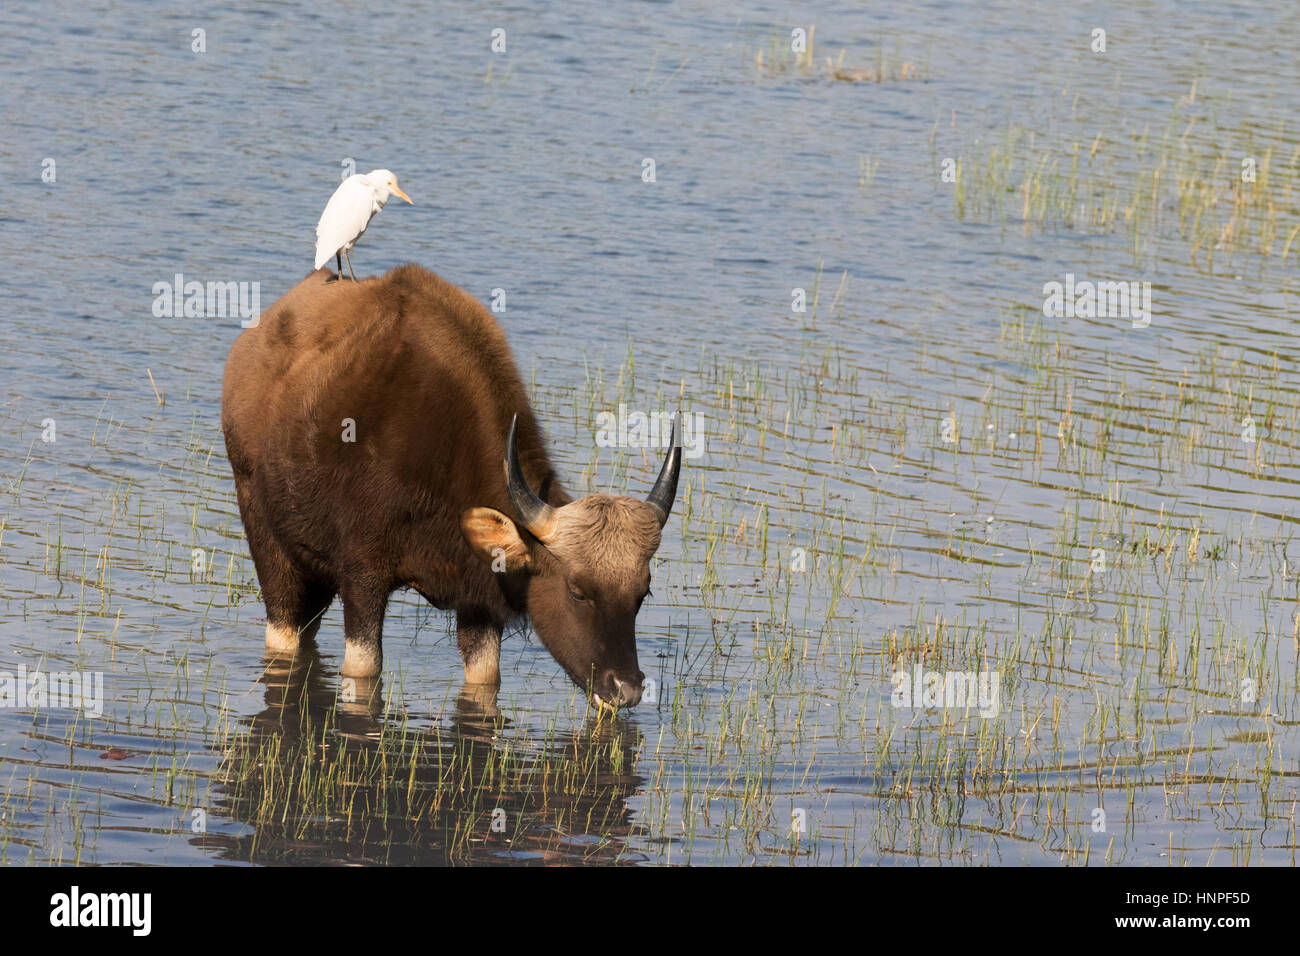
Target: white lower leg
281 638
482 656
362 659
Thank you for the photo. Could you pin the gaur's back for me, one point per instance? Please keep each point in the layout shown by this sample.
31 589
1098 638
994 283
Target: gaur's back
404 357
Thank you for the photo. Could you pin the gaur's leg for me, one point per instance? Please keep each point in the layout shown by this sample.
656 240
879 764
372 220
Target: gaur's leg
304 614
294 603
480 648
363 624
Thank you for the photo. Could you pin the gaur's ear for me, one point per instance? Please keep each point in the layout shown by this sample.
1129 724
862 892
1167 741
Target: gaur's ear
494 539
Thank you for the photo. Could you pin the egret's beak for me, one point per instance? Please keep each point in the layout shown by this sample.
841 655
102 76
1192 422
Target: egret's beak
398 192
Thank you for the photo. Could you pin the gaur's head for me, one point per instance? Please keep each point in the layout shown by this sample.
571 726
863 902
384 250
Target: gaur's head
588 564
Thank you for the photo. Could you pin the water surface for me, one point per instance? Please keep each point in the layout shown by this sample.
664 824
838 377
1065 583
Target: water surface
920 470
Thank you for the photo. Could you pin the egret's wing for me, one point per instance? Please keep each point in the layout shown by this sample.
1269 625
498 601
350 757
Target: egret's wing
345 217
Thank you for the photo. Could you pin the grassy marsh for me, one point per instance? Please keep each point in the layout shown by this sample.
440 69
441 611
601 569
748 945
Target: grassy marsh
919 471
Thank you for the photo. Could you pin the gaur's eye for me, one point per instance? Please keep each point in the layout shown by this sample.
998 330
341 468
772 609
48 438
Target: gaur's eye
577 596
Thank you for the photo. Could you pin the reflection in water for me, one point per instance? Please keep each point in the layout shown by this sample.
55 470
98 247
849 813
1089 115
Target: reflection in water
325 774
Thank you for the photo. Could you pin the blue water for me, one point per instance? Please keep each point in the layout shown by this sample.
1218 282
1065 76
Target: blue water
526 168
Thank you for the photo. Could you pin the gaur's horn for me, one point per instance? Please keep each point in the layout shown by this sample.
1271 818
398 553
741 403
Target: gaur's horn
535 514
664 493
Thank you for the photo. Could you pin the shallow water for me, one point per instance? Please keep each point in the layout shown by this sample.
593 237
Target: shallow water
921 469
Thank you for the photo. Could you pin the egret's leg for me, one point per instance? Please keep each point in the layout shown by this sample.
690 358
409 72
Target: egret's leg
350 272
338 264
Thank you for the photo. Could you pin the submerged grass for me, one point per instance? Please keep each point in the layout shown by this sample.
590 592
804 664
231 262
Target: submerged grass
1219 189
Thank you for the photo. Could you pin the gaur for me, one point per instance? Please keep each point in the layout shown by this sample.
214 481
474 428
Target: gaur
381 437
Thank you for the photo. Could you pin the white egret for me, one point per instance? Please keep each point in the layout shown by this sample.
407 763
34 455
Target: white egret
349 212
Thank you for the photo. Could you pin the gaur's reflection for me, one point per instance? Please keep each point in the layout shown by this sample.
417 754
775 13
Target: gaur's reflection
329 772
